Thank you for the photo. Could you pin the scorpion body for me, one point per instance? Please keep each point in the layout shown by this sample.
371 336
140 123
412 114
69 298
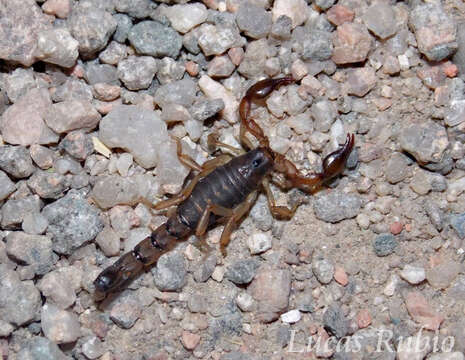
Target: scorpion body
224 190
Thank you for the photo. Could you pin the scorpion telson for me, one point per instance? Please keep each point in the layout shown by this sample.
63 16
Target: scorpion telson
224 190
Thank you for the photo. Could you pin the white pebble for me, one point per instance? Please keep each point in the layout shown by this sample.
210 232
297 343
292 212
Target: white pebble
391 285
258 243
413 274
291 317
245 301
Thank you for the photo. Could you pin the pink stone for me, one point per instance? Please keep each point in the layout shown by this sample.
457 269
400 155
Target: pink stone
59 8
352 42
192 68
363 318
23 122
396 228
236 55
339 14
422 312
341 276
190 340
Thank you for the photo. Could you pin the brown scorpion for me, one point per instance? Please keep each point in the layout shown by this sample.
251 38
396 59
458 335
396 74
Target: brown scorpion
224 190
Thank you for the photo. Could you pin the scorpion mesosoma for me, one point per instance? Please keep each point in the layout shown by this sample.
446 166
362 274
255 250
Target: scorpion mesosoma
224 190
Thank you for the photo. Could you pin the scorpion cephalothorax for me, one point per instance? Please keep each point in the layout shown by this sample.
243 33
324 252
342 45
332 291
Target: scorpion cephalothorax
224 190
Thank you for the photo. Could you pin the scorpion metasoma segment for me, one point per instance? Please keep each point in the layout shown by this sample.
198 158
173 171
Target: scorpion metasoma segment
223 191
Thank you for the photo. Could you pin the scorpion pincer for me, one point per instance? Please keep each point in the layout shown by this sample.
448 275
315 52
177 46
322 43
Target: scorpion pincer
223 191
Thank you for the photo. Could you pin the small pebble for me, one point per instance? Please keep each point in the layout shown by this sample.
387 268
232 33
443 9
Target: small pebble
384 244
259 243
363 318
291 317
413 274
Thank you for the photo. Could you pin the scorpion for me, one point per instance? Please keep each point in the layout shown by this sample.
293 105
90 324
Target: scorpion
224 190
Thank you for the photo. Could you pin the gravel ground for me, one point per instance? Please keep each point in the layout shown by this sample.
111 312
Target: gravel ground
90 92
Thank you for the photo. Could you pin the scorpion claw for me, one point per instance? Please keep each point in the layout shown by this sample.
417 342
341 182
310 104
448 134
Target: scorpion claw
334 163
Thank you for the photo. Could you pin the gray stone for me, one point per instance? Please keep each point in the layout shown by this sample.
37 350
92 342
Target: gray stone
6 186
56 46
205 270
361 81
180 92
459 57
335 321
137 72
91 27
93 348
425 141
16 161
138 9
34 224
34 250
136 130
434 30
384 244
48 185
21 22
323 270
317 46
72 89
14 211
170 272
380 19
124 24
457 222
336 206
254 61
40 348
101 73
253 20
19 300
242 271
441 276
155 39
396 168
18 82
72 222
114 190
109 241
281 28
434 213
206 108
77 144
126 311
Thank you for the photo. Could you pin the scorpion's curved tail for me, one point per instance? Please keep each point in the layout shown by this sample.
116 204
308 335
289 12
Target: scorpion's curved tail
333 164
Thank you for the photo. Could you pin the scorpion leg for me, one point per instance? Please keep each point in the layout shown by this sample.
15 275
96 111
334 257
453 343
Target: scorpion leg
237 214
207 168
186 160
214 143
256 92
280 212
211 208
333 165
